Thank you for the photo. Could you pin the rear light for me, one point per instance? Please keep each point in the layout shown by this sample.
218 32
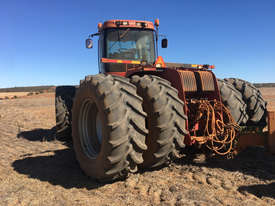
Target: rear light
99 26
156 22
158 65
159 62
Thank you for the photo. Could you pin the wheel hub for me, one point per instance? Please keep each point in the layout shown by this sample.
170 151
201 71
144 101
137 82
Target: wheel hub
90 128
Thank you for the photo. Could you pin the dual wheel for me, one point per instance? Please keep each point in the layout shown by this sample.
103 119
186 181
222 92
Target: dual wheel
64 96
244 101
120 124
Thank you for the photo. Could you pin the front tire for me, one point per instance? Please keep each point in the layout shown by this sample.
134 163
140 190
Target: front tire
108 127
166 120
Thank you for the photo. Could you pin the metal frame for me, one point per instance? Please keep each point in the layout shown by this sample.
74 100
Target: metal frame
265 139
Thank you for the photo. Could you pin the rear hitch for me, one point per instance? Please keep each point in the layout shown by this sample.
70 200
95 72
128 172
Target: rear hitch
265 139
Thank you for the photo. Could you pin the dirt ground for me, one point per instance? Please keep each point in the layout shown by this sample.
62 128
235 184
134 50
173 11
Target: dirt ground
36 169
12 94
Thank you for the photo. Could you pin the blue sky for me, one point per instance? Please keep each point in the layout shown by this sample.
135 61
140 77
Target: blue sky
43 41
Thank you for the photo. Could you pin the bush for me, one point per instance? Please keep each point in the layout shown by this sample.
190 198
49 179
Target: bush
30 94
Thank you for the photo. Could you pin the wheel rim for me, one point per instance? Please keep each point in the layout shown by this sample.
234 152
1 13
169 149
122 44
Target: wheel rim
98 128
90 129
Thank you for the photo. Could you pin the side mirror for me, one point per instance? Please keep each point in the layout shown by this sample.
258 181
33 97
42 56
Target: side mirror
164 43
89 43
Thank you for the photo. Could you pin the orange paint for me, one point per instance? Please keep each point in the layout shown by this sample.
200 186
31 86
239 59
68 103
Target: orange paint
131 24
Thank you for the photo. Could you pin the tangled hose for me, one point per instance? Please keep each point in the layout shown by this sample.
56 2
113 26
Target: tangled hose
220 128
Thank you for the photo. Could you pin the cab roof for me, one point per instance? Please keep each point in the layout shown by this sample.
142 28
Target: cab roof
127 24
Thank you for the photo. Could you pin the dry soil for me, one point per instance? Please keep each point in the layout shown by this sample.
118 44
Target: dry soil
12 94
36 169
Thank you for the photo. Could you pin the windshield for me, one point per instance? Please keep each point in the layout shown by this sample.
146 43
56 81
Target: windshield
130 44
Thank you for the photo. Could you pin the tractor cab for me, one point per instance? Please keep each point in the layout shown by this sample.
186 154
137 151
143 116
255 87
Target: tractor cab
125 44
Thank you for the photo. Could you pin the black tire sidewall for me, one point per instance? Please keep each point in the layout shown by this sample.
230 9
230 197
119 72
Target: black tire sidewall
93 167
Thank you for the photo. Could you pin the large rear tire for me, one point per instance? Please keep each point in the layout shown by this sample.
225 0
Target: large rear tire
232 99
256 106
165 119
63 105
108 127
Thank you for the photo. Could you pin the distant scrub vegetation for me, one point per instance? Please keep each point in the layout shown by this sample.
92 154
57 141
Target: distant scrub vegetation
264 85
40 89
34 89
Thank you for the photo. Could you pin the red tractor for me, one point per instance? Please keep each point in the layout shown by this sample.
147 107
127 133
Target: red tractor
140 112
